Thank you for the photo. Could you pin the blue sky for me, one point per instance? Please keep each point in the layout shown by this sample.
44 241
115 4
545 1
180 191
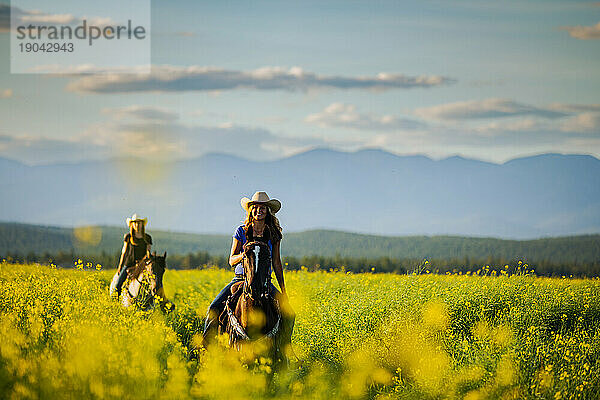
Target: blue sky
263 80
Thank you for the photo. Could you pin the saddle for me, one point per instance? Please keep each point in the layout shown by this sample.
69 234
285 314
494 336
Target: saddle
236 286
227 318
231 302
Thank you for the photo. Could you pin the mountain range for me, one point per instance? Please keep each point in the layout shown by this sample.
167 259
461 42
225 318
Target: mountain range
368 191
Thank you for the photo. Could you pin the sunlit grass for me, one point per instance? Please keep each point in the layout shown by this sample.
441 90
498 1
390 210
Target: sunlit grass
356 336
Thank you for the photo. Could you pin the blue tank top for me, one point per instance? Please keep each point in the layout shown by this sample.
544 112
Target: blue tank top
240 235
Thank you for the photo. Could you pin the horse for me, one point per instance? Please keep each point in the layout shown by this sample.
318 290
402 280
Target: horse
140 288
251 312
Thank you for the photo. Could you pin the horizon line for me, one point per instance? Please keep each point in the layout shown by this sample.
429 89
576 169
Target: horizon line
322 229
296 154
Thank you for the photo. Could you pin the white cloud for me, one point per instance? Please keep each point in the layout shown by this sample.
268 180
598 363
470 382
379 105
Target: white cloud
156 133
584 122
201 78
100 21
574 108
492 144
577 119
26 17
481 109
346 116
573 128
172 141
498 128
150 113
38 17
583 32
508 129
77 70
168 141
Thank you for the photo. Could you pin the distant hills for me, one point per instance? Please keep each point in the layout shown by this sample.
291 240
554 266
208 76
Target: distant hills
368 191
23 239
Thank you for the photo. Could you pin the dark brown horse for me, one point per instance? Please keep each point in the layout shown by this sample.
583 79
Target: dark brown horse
251 312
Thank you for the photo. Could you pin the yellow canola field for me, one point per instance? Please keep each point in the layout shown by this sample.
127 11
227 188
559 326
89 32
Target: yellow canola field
356 336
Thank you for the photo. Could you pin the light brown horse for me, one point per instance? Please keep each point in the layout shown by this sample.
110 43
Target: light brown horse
251 312
142 284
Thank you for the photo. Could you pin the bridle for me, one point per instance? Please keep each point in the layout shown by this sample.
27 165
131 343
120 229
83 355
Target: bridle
145 291
248 292
259 246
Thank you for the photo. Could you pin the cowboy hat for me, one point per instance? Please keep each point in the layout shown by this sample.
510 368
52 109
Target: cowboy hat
261 198
136 217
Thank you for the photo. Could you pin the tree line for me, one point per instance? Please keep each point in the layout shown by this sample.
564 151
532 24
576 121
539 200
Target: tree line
571 250
458 265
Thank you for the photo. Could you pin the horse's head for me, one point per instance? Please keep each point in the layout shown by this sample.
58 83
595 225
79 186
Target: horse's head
155 269
145 279
257 267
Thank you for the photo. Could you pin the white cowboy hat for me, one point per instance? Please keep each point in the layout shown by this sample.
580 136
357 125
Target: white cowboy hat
261 198
136 217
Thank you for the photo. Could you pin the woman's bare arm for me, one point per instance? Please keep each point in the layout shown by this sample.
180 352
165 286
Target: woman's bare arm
236 255
122 259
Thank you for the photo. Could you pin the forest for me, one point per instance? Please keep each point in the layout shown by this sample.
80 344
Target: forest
316 250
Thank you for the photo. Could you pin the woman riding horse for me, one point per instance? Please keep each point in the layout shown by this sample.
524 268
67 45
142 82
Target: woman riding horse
260 225
136 247
136 244
142 287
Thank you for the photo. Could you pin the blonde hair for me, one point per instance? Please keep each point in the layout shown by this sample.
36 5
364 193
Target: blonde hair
271 222
132 238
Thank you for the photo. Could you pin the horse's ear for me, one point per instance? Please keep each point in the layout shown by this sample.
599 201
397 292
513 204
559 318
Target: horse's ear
165 255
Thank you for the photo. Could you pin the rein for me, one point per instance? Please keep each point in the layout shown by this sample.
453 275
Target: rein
144 290
255 289
147 291
237 327
258 247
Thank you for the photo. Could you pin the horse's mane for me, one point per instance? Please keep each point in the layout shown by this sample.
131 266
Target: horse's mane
252 294
257 279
